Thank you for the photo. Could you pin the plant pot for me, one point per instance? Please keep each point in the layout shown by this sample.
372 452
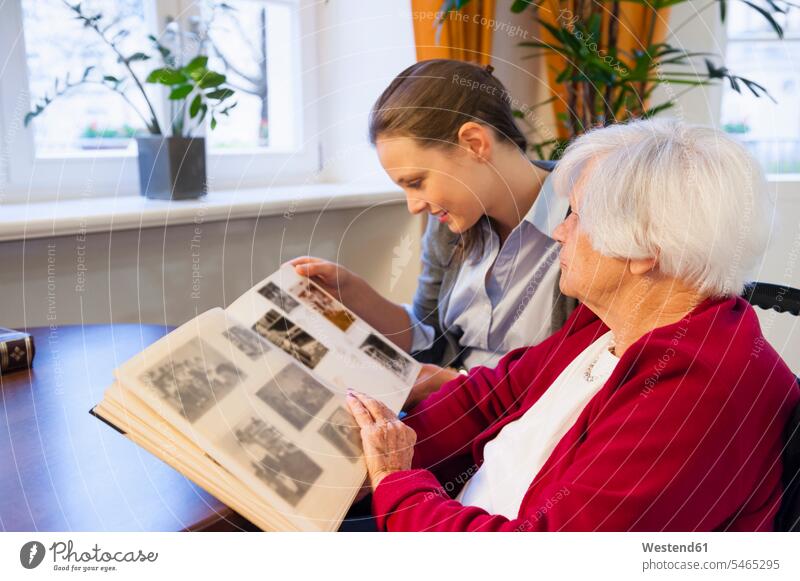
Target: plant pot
172 168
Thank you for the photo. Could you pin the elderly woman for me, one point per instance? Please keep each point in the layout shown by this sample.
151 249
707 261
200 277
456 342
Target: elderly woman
658 405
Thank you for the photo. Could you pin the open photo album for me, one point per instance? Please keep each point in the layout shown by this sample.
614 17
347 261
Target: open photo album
249 402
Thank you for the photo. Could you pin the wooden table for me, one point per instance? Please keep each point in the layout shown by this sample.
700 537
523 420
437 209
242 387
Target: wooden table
62 469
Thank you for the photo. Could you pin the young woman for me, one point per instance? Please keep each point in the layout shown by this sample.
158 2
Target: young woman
444 132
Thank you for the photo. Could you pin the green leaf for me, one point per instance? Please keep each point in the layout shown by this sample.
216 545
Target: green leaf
203 111
198 73
198 62
194 108
180 92
211 79
692 82
155 76
537 44
167 76
35 113
566 37
757 90
682 59
451 5
213 122
658 108
138 56
779 9
165 52
228 108
220 94
520 5
563 75
767 16
593 27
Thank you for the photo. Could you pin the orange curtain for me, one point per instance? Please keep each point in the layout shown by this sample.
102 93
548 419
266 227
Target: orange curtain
465 35
633 25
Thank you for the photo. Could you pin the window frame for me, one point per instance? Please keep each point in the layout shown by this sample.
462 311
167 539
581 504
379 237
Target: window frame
790 36
24 176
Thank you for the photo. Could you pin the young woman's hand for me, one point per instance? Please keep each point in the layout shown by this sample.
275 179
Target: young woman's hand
388 443
332 277
357 295
430 379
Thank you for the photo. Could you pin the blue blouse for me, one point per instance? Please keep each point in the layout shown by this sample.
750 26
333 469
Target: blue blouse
502 297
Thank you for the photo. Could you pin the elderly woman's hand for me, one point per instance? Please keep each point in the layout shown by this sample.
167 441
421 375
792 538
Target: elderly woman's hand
388 443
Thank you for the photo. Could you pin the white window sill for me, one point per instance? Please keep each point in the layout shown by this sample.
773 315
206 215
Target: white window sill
82 216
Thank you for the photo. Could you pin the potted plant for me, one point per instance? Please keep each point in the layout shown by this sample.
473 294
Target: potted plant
171 165
599 82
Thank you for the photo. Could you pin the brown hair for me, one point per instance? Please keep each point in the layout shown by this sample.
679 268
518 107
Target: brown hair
431 100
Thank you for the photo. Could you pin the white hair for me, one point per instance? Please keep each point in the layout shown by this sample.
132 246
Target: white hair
689 195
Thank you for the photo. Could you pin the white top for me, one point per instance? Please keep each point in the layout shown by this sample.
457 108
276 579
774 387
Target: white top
518 452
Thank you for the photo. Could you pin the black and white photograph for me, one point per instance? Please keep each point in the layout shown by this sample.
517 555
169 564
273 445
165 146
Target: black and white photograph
317 299
248 342
278 297
295 395
194 378
275 460
283 333
387 356
341 430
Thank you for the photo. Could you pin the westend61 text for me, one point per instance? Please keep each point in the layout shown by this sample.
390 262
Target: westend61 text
670 548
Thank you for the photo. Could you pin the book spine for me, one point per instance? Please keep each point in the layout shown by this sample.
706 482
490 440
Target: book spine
16 354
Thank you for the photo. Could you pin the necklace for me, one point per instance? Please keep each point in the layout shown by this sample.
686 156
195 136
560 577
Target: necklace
587 375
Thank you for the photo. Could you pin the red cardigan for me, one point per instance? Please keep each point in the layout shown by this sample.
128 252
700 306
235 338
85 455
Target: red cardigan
685 435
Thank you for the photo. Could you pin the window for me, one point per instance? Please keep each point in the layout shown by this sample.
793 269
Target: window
771 131
59 48
83 142
241 35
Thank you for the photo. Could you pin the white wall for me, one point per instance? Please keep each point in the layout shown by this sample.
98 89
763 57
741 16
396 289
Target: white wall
781 265
167 275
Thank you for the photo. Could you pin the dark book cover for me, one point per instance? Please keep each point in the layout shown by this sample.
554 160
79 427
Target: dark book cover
16 350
